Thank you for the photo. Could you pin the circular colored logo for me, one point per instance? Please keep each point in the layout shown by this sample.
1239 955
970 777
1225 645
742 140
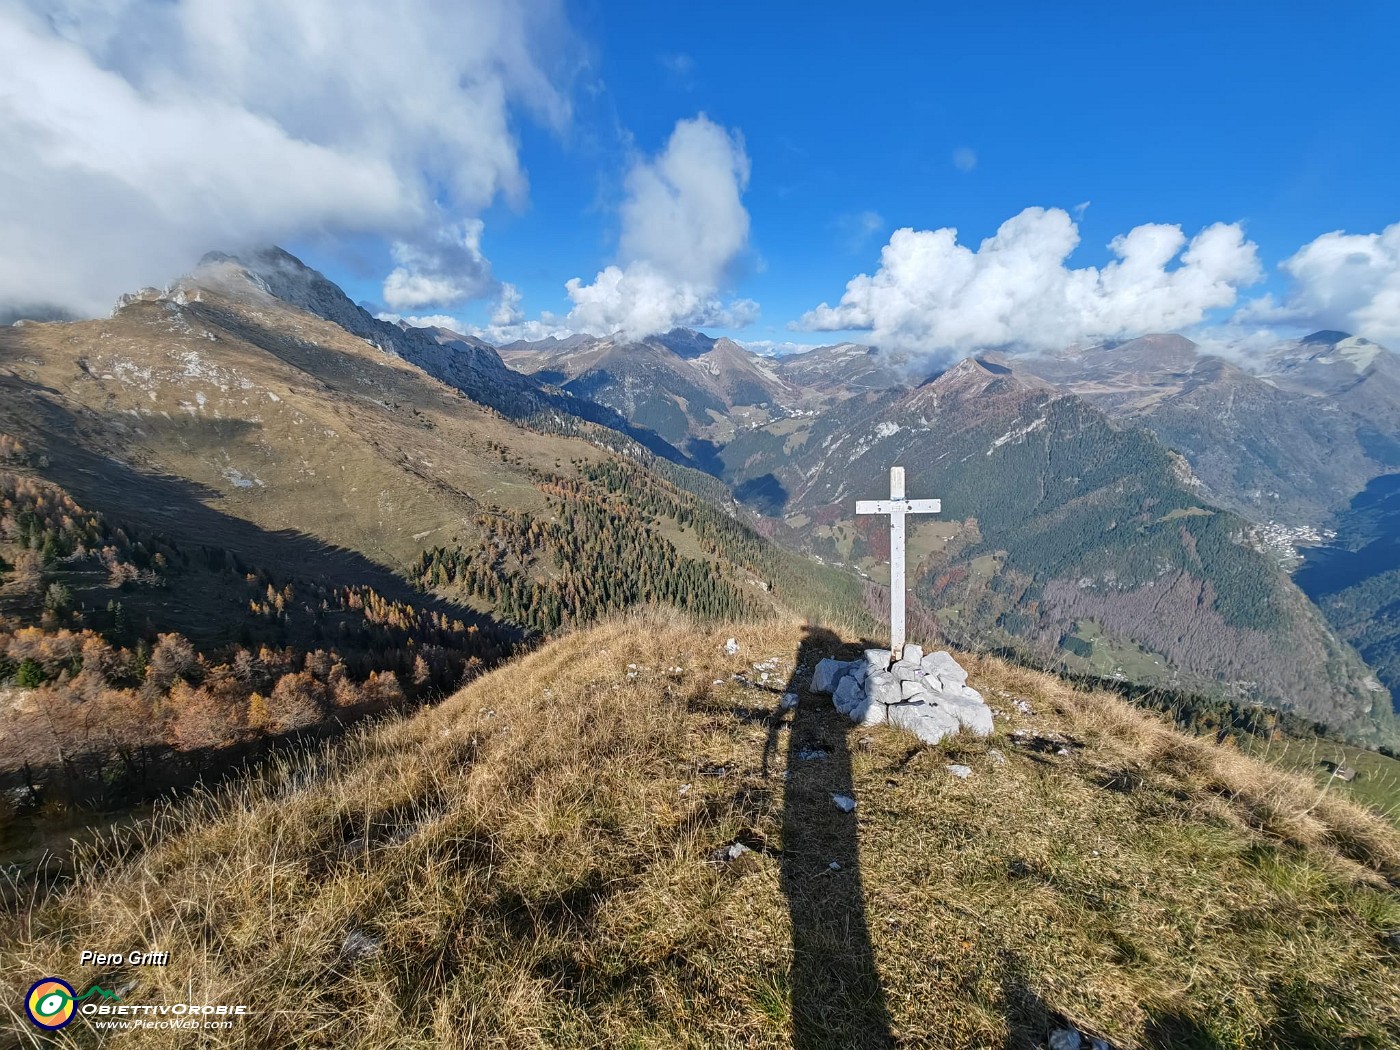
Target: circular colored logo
50 1003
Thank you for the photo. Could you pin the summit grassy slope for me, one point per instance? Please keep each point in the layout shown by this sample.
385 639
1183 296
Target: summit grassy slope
532 863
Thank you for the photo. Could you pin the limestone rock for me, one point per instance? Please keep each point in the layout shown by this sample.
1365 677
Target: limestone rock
945 667
905 671
847 695
967 693
844 803
958 770
878 659
913 653
732 647
912 690
728 854
974 715
882 688
1065 1039
930 724
828 674
868 713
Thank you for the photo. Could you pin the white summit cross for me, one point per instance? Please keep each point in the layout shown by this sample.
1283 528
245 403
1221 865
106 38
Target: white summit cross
896 507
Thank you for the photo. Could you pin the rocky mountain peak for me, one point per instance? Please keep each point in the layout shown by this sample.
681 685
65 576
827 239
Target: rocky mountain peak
1327 337
470 365
984 374
685 342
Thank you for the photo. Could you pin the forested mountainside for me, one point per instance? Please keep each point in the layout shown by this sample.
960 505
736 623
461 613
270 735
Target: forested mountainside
1290 436
1304 440
1065 532
122 646
1355 580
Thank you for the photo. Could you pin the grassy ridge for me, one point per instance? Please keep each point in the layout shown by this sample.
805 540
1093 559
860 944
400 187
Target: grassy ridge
1378 776
532 864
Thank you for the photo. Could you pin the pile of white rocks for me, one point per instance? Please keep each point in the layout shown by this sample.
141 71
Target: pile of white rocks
924 695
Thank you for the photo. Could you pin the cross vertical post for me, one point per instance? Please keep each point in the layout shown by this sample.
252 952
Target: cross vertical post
896 507
897 563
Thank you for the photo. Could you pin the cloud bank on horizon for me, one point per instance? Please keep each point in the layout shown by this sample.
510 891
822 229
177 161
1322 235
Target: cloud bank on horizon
1349 282
142 133
932 295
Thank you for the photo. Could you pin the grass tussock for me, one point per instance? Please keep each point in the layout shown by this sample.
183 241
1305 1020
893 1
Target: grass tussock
533 863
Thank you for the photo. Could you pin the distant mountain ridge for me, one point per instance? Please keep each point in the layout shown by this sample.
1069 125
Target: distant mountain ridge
693 391
1292 437
462 361
1283 439
1064 532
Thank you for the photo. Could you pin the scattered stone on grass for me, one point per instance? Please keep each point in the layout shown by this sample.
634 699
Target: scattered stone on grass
728 854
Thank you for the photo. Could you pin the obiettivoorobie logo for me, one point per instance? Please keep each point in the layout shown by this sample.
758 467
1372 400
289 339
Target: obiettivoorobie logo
52 1003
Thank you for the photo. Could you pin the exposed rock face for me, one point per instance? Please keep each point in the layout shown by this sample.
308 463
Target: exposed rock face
924 695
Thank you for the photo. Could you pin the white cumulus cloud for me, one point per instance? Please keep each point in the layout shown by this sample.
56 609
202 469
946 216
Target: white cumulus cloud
429 321
507 311
1346 281
683 227
140 133
640 300
932 295
444 268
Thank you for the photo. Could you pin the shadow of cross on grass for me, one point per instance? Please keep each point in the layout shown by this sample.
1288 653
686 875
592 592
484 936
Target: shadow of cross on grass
837 1000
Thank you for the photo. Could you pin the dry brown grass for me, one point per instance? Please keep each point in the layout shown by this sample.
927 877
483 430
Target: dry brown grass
529 863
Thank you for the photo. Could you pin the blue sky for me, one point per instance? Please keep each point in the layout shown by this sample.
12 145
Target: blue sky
824 130
1280 116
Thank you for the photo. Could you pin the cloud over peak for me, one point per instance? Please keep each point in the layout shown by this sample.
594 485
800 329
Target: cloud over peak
1346 281
932 295
684 225
141 133
443 268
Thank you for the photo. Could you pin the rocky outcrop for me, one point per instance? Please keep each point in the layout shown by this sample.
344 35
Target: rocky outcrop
927 696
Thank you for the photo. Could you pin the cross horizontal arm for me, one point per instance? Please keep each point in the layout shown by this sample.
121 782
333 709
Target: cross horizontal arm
902 506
